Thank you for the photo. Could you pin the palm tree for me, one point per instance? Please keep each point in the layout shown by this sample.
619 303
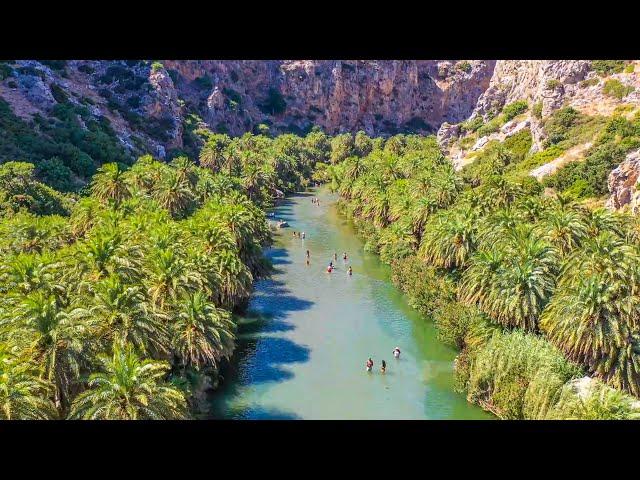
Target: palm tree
214 153
564 229
169 276
109 184
26 273
594 320
106 253
84 216
56 338
23 396
128 388
449 239
236 279
186 171
123 316
174 194
202 333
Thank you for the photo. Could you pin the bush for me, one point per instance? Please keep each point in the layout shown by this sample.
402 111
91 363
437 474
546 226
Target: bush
615 88
491 126
598 402
274 104
589 82
471 125
510 375
59 95
537 110
204 82
464 66
426 290
553 84
630 68
155 66
5 71
607 67
88 69
514 109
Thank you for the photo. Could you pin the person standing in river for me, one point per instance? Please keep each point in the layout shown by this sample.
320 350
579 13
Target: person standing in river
383 368
369 364
308 254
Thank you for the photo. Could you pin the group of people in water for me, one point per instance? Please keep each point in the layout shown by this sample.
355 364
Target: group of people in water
383 366
315 201
300 235
331 267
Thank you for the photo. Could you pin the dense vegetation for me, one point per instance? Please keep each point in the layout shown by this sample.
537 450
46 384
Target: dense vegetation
119 304
535 290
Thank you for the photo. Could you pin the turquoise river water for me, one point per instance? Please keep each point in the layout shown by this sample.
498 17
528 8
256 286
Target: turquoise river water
303 344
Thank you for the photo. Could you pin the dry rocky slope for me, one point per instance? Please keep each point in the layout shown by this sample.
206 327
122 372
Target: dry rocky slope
152 106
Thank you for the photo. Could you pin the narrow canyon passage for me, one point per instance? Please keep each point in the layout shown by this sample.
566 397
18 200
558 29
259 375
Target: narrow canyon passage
305 340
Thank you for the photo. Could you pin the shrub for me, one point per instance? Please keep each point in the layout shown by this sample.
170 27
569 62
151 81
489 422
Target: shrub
607 67
471 125
155 66
5 71
589 82
615 88
426 290
537 110
59 95
514 109
599 402
88 69
508 366
629 68
464 66
553 84
274 104
204 82
491 126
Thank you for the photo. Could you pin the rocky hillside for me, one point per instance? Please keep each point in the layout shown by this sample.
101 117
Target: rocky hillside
68 117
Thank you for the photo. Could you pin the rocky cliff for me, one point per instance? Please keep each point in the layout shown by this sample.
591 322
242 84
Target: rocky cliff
155 106
147 103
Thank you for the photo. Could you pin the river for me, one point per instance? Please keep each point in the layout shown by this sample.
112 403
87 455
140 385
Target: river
307 335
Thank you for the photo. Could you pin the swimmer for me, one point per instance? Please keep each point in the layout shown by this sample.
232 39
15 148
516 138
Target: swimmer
344 256
308 254
329 269
369 364
396 352
294 233
350 271
383 367
335 256
303 235
307 262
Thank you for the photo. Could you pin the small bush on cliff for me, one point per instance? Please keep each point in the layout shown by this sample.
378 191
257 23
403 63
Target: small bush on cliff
607 67
615 88
514 109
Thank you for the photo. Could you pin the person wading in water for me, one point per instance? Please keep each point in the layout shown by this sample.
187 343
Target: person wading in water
369 364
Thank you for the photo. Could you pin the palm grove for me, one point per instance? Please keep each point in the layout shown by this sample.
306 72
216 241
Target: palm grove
118 303
537 290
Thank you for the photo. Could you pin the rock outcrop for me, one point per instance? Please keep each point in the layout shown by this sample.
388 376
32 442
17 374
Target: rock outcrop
146 103
623 181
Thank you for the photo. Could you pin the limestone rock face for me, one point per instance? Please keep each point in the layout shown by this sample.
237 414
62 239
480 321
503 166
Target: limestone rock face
623 181
163 103
340 96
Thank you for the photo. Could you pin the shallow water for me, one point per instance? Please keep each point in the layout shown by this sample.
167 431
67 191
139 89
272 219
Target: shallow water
304 343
